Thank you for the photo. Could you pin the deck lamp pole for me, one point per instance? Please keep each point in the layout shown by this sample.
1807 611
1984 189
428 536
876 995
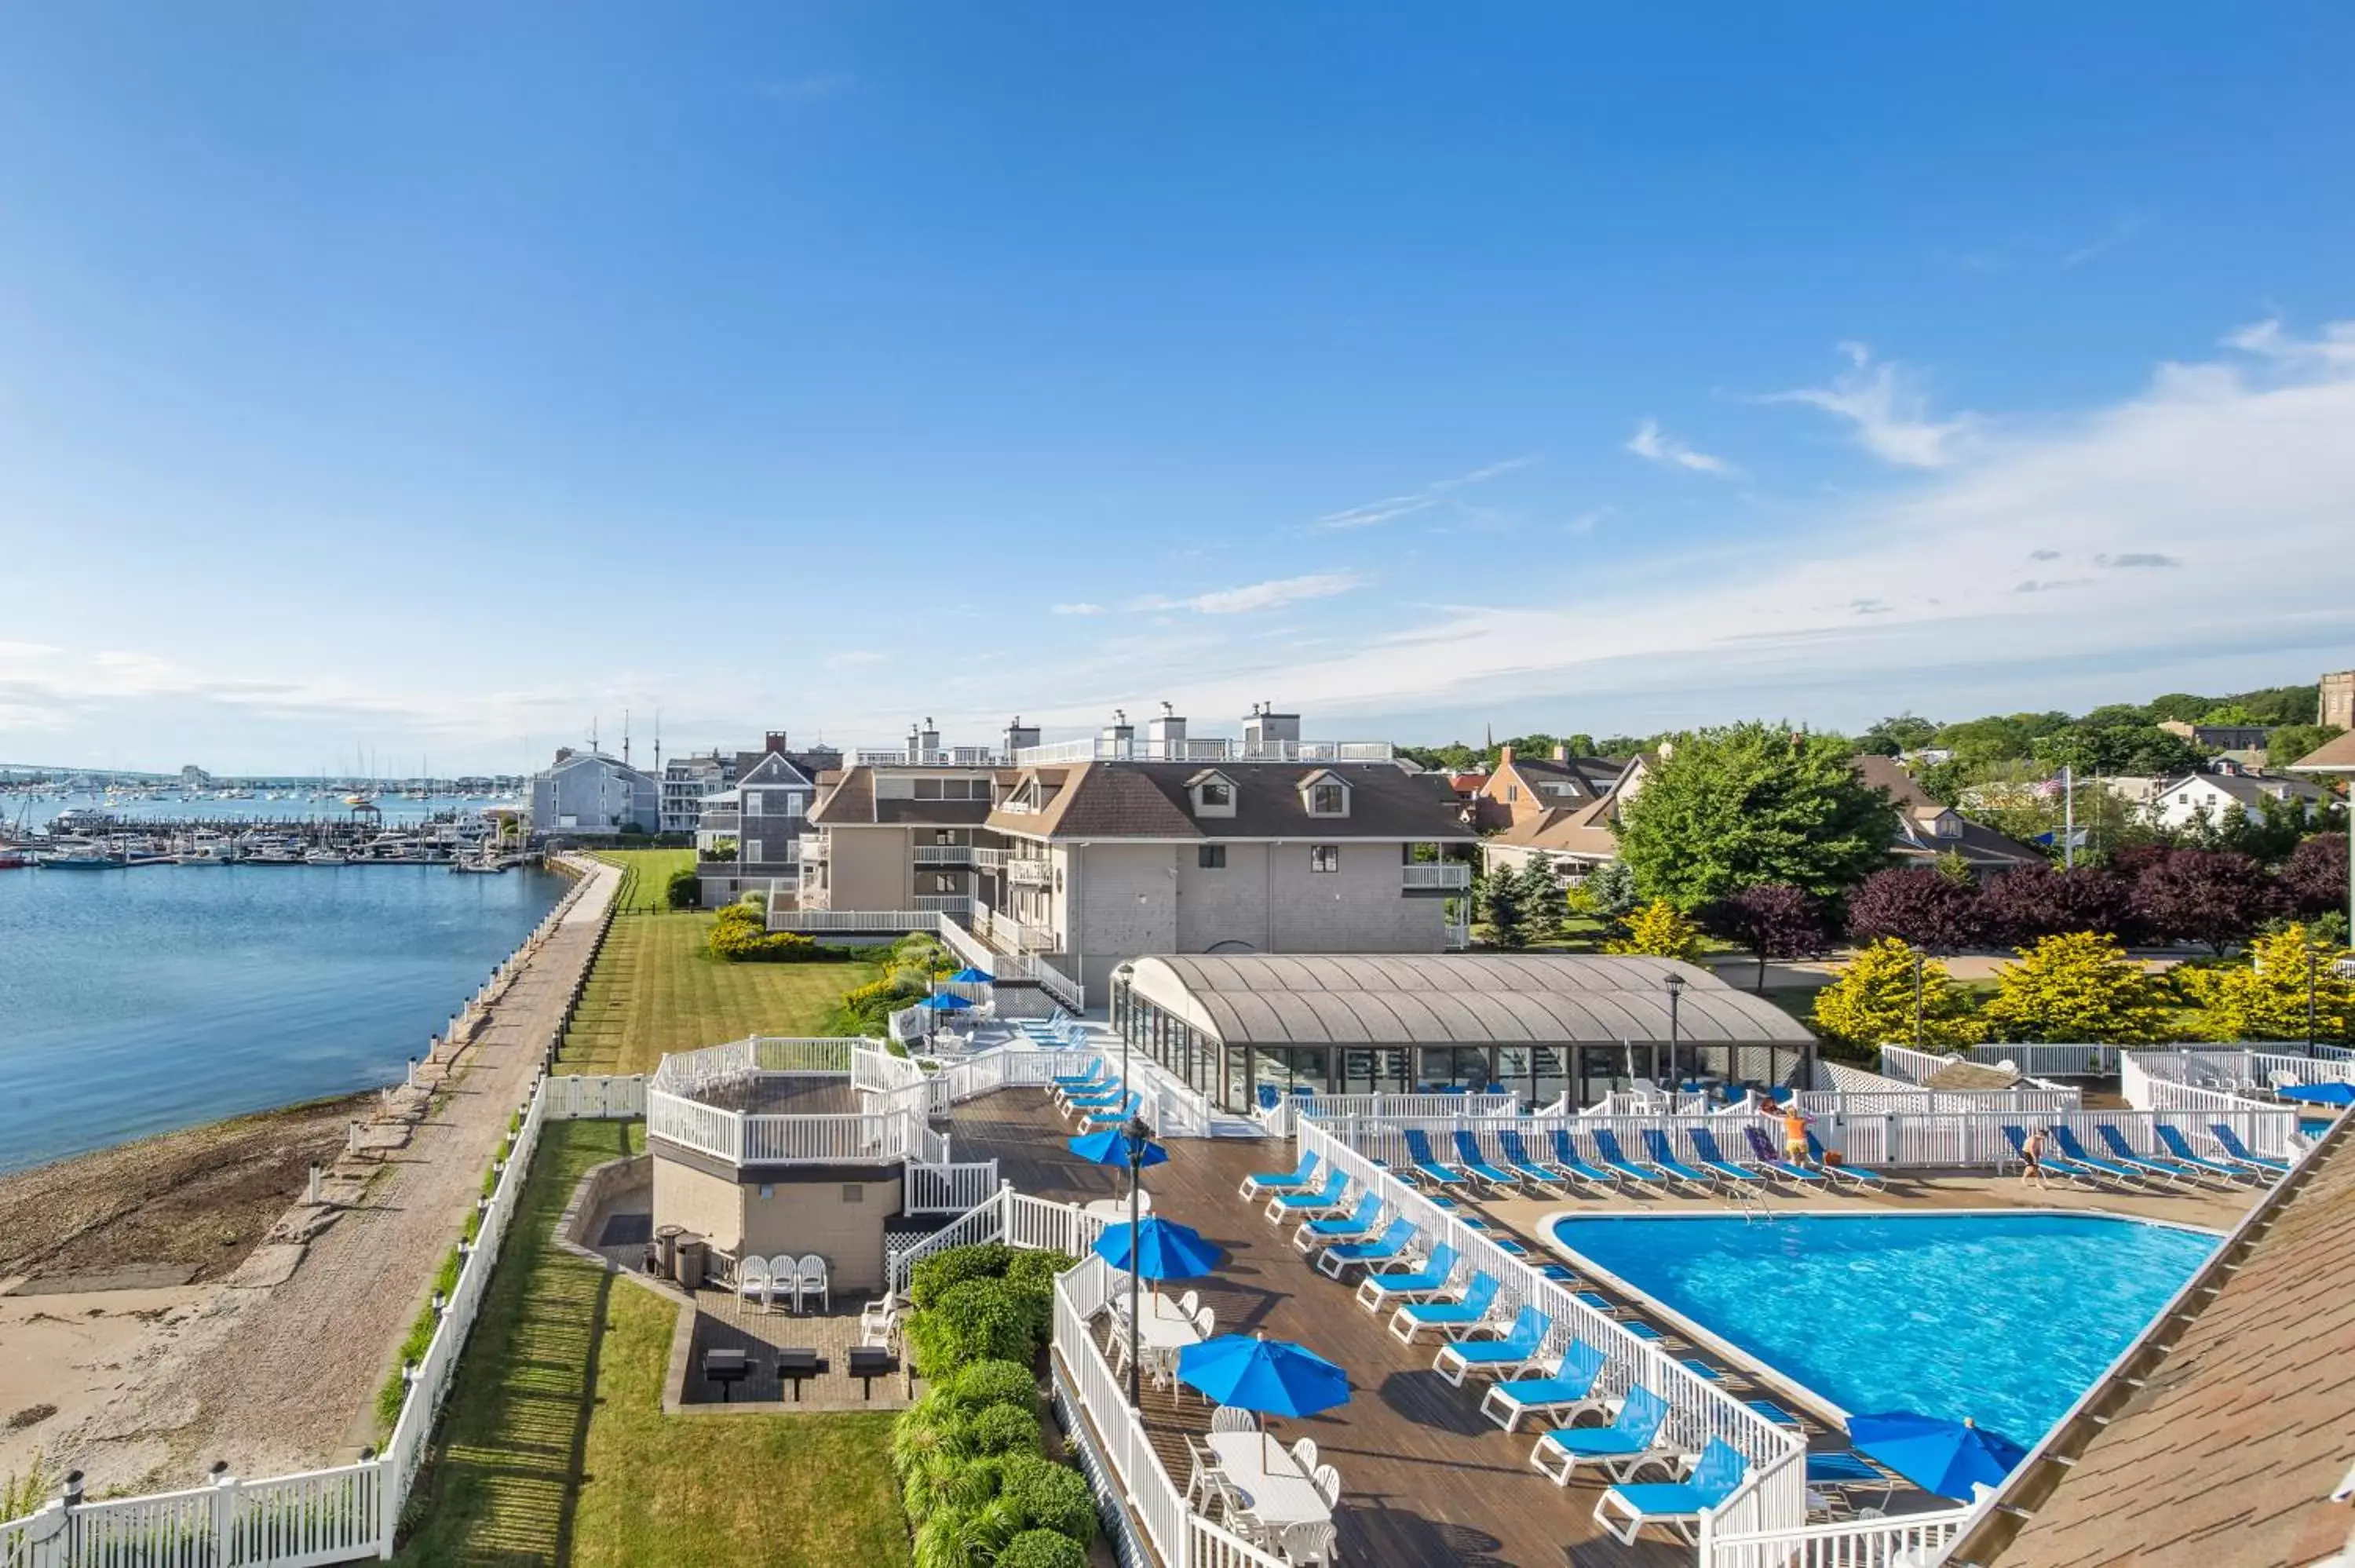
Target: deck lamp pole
1676 991
2313 961
1917 999
1137 1134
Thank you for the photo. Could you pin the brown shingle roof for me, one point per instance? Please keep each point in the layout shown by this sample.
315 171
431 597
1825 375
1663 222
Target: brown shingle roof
2337 755
2228 1452
852 802
1584 830
1149 801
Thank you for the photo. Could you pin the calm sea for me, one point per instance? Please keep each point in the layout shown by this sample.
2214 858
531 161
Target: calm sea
133 1001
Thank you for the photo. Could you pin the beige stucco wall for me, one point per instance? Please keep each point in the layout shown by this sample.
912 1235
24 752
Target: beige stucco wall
823 1217
867 868
709 1205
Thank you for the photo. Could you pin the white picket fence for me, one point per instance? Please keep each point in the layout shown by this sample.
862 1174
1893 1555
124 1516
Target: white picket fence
341 1513
1340 1107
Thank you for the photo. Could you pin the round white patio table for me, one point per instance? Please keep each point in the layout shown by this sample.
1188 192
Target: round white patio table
1114 1210
1272 1484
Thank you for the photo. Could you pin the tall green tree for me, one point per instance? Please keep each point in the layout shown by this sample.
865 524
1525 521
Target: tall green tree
1501 898
1753 803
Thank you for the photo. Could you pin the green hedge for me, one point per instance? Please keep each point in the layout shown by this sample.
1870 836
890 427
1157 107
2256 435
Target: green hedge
740 934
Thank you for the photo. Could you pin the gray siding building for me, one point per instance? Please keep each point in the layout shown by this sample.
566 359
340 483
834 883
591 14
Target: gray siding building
590 792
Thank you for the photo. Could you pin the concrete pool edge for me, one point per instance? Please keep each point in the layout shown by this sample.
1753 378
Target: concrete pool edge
1753 1366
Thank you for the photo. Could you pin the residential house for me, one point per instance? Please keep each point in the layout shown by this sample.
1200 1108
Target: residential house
2216 797
686 783
1523 788
589 793
749 837
1928 830
1106 861
899 835
2220 737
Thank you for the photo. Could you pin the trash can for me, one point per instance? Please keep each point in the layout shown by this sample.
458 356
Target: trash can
692 1251
666 1249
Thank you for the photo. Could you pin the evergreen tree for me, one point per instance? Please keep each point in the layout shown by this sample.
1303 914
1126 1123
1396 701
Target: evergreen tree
1610 890
2077 986
1503 907
1871 1003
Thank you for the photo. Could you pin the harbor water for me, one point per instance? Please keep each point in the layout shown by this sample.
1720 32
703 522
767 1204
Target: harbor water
135 1001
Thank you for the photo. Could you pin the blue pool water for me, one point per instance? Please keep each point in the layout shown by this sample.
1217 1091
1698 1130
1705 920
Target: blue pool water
2004 1318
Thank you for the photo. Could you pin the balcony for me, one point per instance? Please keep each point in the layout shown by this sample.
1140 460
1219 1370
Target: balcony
1030 873
783 1102
988 859
1459 935
944 854
813 848
944 903
719 822
1444 877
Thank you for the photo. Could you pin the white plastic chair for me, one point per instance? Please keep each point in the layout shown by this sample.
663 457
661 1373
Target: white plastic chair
1227 1418
786 1281
812 1269
1207 1322
752 1280
1191 1303
1310 1541
1305 1453
1327 1482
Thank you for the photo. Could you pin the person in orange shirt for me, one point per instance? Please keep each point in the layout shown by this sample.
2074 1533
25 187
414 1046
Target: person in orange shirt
1795 1135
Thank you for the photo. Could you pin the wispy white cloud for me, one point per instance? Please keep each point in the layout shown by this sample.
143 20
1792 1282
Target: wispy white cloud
1079 607
1272 595
1391 507
1890 415
1656 445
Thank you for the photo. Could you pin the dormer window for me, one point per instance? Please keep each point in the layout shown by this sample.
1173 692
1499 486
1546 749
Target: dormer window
1325 795
1949 826
1026 796
1212 793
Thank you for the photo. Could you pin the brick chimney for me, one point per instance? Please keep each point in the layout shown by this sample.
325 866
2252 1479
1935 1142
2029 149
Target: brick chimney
1561 751
1504 758
775 740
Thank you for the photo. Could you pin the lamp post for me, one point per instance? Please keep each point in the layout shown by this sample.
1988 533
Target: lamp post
1917 999
1676 984
2313 961
1137 1133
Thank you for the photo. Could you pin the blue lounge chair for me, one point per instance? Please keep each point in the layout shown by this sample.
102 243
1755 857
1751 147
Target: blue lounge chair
1087 1075
2171 1139
1266 1181
2127 1172
1426 1164
1656 1146
1094 1099
1606 1144
1701 1368
1768 1411
1324 1200
1114 1116
1834 1473
1357 1225
1514 1351
1619 1449
1377 1291
2131 1169
1396 1237
2234 1149
1477 1166
1570 1163
2114 1143
1675 1506
1704 1144
1638 1330
1445 1316
1856 1173
1565 1395
1518 1161
1770 1160
2058 1165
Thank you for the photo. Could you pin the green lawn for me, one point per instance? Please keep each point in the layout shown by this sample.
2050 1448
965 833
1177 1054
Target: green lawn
554 1449
646 876
657 989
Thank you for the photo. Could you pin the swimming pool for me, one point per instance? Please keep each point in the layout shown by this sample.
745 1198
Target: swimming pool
2004 1318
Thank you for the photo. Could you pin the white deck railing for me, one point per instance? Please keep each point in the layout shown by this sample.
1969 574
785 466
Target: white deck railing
1454 876
1916 1540
1698 1409
1340 1107
949 1189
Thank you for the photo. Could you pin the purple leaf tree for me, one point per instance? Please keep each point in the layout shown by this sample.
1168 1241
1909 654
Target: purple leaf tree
2314 878
1773 919
2215 898
2023 906
1925 908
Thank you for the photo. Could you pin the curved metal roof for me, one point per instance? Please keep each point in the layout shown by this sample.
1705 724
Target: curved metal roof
1454 999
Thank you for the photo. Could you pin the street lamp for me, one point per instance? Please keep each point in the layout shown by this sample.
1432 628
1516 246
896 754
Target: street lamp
2313 961
1137 1133
1917 998
1675 983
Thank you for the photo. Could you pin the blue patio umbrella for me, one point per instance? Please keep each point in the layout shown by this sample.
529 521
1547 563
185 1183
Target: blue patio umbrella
1947 1457
2341 1095
1109 1147
1273 1377
944 1002
1156 1248
971 976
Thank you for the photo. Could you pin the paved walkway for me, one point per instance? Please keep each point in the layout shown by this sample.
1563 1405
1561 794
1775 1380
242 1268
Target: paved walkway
280 1373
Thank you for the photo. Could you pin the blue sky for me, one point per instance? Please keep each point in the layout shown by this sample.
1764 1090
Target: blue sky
434 379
